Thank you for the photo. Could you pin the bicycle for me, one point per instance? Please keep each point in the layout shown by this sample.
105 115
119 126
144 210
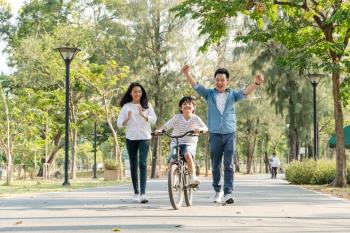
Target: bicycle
179 186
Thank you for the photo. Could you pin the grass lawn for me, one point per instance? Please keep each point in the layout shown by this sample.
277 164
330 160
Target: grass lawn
337 192
29 187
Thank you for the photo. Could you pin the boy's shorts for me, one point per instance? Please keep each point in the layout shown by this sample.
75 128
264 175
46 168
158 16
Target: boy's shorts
184 148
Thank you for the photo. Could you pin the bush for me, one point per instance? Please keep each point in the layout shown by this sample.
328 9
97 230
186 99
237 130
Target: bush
324 172
312 172
110 164
300 172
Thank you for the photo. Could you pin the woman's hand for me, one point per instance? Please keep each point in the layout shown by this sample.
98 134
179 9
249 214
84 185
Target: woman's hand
142 113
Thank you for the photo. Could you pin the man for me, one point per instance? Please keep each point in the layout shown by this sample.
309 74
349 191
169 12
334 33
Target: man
275 163
222 126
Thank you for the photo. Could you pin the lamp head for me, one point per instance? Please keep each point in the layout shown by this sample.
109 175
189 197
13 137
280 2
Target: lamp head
67 53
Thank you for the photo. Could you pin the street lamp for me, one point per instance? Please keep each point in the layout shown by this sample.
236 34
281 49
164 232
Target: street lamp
67 54
95 139
314 80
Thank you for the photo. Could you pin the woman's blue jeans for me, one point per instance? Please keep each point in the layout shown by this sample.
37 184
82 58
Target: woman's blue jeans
140 148
222 146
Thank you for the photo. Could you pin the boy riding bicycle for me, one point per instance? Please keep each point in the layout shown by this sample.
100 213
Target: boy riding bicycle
181 123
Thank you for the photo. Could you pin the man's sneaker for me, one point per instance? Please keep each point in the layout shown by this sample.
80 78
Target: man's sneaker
143 199
228 198
218 197
195 182
136 198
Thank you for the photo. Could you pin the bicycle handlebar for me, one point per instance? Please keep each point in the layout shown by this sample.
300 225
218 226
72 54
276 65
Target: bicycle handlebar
190 132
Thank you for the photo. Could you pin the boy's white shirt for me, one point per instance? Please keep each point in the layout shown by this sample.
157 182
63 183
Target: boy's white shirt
137 127
180 126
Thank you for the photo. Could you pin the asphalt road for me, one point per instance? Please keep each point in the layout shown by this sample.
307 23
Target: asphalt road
261 205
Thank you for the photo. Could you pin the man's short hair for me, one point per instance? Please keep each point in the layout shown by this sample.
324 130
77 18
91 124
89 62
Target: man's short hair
222 71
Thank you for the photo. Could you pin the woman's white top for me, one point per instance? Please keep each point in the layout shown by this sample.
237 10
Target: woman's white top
137 127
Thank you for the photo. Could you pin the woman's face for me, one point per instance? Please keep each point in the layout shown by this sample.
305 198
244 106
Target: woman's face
136 94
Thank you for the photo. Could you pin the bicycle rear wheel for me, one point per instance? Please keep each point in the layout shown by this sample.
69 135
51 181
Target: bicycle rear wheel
187 189
175 186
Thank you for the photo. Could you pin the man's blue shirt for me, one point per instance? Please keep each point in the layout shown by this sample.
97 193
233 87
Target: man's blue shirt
220 123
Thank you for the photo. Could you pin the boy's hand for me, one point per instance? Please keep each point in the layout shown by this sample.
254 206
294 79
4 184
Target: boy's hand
259 79
185 69
157 132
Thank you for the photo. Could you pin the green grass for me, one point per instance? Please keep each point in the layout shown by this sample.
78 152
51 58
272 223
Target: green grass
29 187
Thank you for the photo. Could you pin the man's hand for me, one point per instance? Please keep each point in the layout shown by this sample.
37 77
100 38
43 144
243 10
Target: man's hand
259 79
185 70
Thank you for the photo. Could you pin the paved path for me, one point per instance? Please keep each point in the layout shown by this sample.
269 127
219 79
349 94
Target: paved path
261 205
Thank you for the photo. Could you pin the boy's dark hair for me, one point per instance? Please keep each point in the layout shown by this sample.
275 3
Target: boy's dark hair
222 71
128 98
186 99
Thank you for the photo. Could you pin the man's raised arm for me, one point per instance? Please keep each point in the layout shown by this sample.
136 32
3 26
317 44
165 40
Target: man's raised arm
186 71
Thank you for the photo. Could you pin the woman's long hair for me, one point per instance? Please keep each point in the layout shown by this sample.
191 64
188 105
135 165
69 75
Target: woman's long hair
128 98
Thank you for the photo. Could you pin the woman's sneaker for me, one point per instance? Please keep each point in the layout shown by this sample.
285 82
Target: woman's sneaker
218 197
136 198
228 198
143 199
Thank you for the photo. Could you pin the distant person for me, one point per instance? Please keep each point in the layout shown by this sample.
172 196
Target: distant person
275 163
137 115
180 124
221 102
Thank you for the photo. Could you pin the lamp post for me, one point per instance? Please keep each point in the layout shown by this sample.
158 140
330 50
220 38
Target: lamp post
95 139
67 54
314 80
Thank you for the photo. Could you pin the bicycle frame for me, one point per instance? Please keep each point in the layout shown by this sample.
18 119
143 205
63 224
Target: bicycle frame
178 176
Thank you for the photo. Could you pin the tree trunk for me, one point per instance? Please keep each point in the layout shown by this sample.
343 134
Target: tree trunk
340 178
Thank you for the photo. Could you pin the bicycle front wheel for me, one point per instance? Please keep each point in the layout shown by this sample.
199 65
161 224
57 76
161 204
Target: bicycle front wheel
187 189
175 186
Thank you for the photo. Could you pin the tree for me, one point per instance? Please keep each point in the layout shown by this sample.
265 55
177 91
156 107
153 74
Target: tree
311 29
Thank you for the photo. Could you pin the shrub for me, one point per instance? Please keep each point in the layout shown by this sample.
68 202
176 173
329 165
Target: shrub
300 172
324 172
110 164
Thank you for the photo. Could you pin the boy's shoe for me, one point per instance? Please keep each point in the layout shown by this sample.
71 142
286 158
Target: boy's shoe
136 197
228 198
143 199
218 197
195 182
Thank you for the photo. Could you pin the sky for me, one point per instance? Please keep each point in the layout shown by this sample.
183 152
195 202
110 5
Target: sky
15 5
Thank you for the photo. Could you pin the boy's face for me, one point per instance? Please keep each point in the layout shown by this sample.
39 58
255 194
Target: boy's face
187 107
221 82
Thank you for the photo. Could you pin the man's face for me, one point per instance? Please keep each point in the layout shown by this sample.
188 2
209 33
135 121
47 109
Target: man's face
221 82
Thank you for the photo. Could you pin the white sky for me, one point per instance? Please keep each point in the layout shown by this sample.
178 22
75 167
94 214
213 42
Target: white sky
15 5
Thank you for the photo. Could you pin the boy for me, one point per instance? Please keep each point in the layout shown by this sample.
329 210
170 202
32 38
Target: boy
181 123
222 126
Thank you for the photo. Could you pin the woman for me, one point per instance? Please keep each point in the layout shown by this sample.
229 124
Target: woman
137 115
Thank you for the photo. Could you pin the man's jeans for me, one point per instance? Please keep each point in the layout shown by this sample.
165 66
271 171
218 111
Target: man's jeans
222 146
140 146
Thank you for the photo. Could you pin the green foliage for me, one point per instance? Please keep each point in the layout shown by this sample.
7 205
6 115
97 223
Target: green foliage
299 172
324 172
312 172
110 164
